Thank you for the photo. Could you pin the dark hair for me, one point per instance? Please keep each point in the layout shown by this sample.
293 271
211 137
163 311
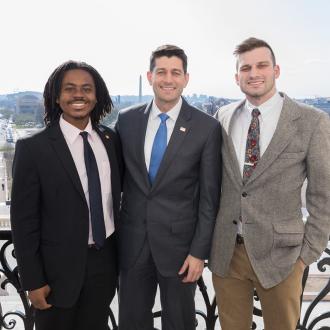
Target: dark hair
52 92
250 44
168 51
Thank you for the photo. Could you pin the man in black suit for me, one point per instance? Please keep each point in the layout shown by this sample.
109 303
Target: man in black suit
170 199
63 216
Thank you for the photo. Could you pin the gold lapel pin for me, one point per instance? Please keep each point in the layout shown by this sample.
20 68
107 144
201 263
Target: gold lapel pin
107 137
182 129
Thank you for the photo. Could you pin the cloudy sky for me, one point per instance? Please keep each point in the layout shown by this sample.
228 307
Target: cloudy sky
117 37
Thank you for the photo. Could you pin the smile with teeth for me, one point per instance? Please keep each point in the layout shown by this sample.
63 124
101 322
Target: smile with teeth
256 83
168 88
78 104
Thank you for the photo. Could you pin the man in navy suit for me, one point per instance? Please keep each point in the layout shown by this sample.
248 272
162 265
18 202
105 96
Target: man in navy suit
170 198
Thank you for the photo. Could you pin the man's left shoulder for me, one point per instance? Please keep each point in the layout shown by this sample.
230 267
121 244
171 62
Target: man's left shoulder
107 131
308 113
201 117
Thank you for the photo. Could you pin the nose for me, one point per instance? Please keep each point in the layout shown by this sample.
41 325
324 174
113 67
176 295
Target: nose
78 92
168 77
254 72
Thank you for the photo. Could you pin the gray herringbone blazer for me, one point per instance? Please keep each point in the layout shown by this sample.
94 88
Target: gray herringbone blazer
270 202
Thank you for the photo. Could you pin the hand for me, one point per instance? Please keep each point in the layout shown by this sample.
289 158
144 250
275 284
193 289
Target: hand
38 297
194 268
301 264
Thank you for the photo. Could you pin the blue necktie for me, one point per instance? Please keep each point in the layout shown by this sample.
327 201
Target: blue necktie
95 194
158 147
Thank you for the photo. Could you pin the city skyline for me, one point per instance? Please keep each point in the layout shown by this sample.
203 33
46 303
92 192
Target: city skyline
117 38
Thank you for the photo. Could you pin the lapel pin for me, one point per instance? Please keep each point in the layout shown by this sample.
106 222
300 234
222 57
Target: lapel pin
107 137
182 129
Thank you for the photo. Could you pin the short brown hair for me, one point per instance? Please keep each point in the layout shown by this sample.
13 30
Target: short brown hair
168 51
250 44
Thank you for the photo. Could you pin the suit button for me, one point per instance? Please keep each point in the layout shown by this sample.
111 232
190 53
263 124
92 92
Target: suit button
234 222
244 194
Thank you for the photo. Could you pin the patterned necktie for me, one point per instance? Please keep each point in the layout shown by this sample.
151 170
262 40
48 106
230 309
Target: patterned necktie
94 192
158 147
252 153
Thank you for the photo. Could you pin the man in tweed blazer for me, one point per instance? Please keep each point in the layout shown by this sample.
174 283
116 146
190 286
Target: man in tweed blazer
260 240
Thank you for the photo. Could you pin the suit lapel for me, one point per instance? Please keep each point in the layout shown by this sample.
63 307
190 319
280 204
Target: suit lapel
228 145
106 138
180 131
62 150
283 134
141 140
229 150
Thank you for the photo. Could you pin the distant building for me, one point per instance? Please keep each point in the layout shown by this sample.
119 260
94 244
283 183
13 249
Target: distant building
322 103
28 104
208 104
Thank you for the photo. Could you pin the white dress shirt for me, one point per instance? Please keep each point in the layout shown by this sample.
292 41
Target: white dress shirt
76 146
269 115
153 125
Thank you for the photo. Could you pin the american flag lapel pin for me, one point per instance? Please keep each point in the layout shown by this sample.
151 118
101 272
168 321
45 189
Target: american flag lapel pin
182 129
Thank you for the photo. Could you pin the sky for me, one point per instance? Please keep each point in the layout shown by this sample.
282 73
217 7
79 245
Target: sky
118 36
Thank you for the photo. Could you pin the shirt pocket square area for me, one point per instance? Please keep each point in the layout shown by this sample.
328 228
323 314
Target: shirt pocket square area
287 155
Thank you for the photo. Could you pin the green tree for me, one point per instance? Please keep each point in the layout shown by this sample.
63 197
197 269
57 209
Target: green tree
6 113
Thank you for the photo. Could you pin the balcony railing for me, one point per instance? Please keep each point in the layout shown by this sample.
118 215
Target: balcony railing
208 315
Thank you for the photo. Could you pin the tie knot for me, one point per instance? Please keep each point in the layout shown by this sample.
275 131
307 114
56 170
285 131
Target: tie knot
163 117
255 112
84 135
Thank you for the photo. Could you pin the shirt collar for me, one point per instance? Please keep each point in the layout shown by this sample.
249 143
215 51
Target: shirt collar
265 108
173 113
71 132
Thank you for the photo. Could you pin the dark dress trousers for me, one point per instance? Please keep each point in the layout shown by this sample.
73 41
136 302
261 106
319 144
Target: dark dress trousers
50 220
170 219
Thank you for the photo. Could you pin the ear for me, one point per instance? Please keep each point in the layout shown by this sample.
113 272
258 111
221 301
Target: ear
149 77
236 79
186 76
277 71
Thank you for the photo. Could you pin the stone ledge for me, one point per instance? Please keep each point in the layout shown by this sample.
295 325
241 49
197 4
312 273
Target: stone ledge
316 283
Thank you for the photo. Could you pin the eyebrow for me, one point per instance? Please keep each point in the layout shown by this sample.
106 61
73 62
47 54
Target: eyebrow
264 62
258 63
72 84
178 70
171 69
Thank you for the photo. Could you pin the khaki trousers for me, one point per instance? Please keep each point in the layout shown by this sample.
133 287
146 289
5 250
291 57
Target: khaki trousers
280 304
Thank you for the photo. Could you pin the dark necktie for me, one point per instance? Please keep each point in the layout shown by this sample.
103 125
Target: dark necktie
95 194
158 147
252 153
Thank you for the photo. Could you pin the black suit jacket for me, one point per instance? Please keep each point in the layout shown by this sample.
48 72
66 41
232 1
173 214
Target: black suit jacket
177 213
49 212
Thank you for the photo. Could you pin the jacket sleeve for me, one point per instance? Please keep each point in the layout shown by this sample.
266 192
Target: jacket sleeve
317 228
25 217
210 185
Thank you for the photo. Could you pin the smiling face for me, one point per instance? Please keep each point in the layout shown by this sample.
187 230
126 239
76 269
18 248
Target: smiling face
168 81
77 97
256 75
